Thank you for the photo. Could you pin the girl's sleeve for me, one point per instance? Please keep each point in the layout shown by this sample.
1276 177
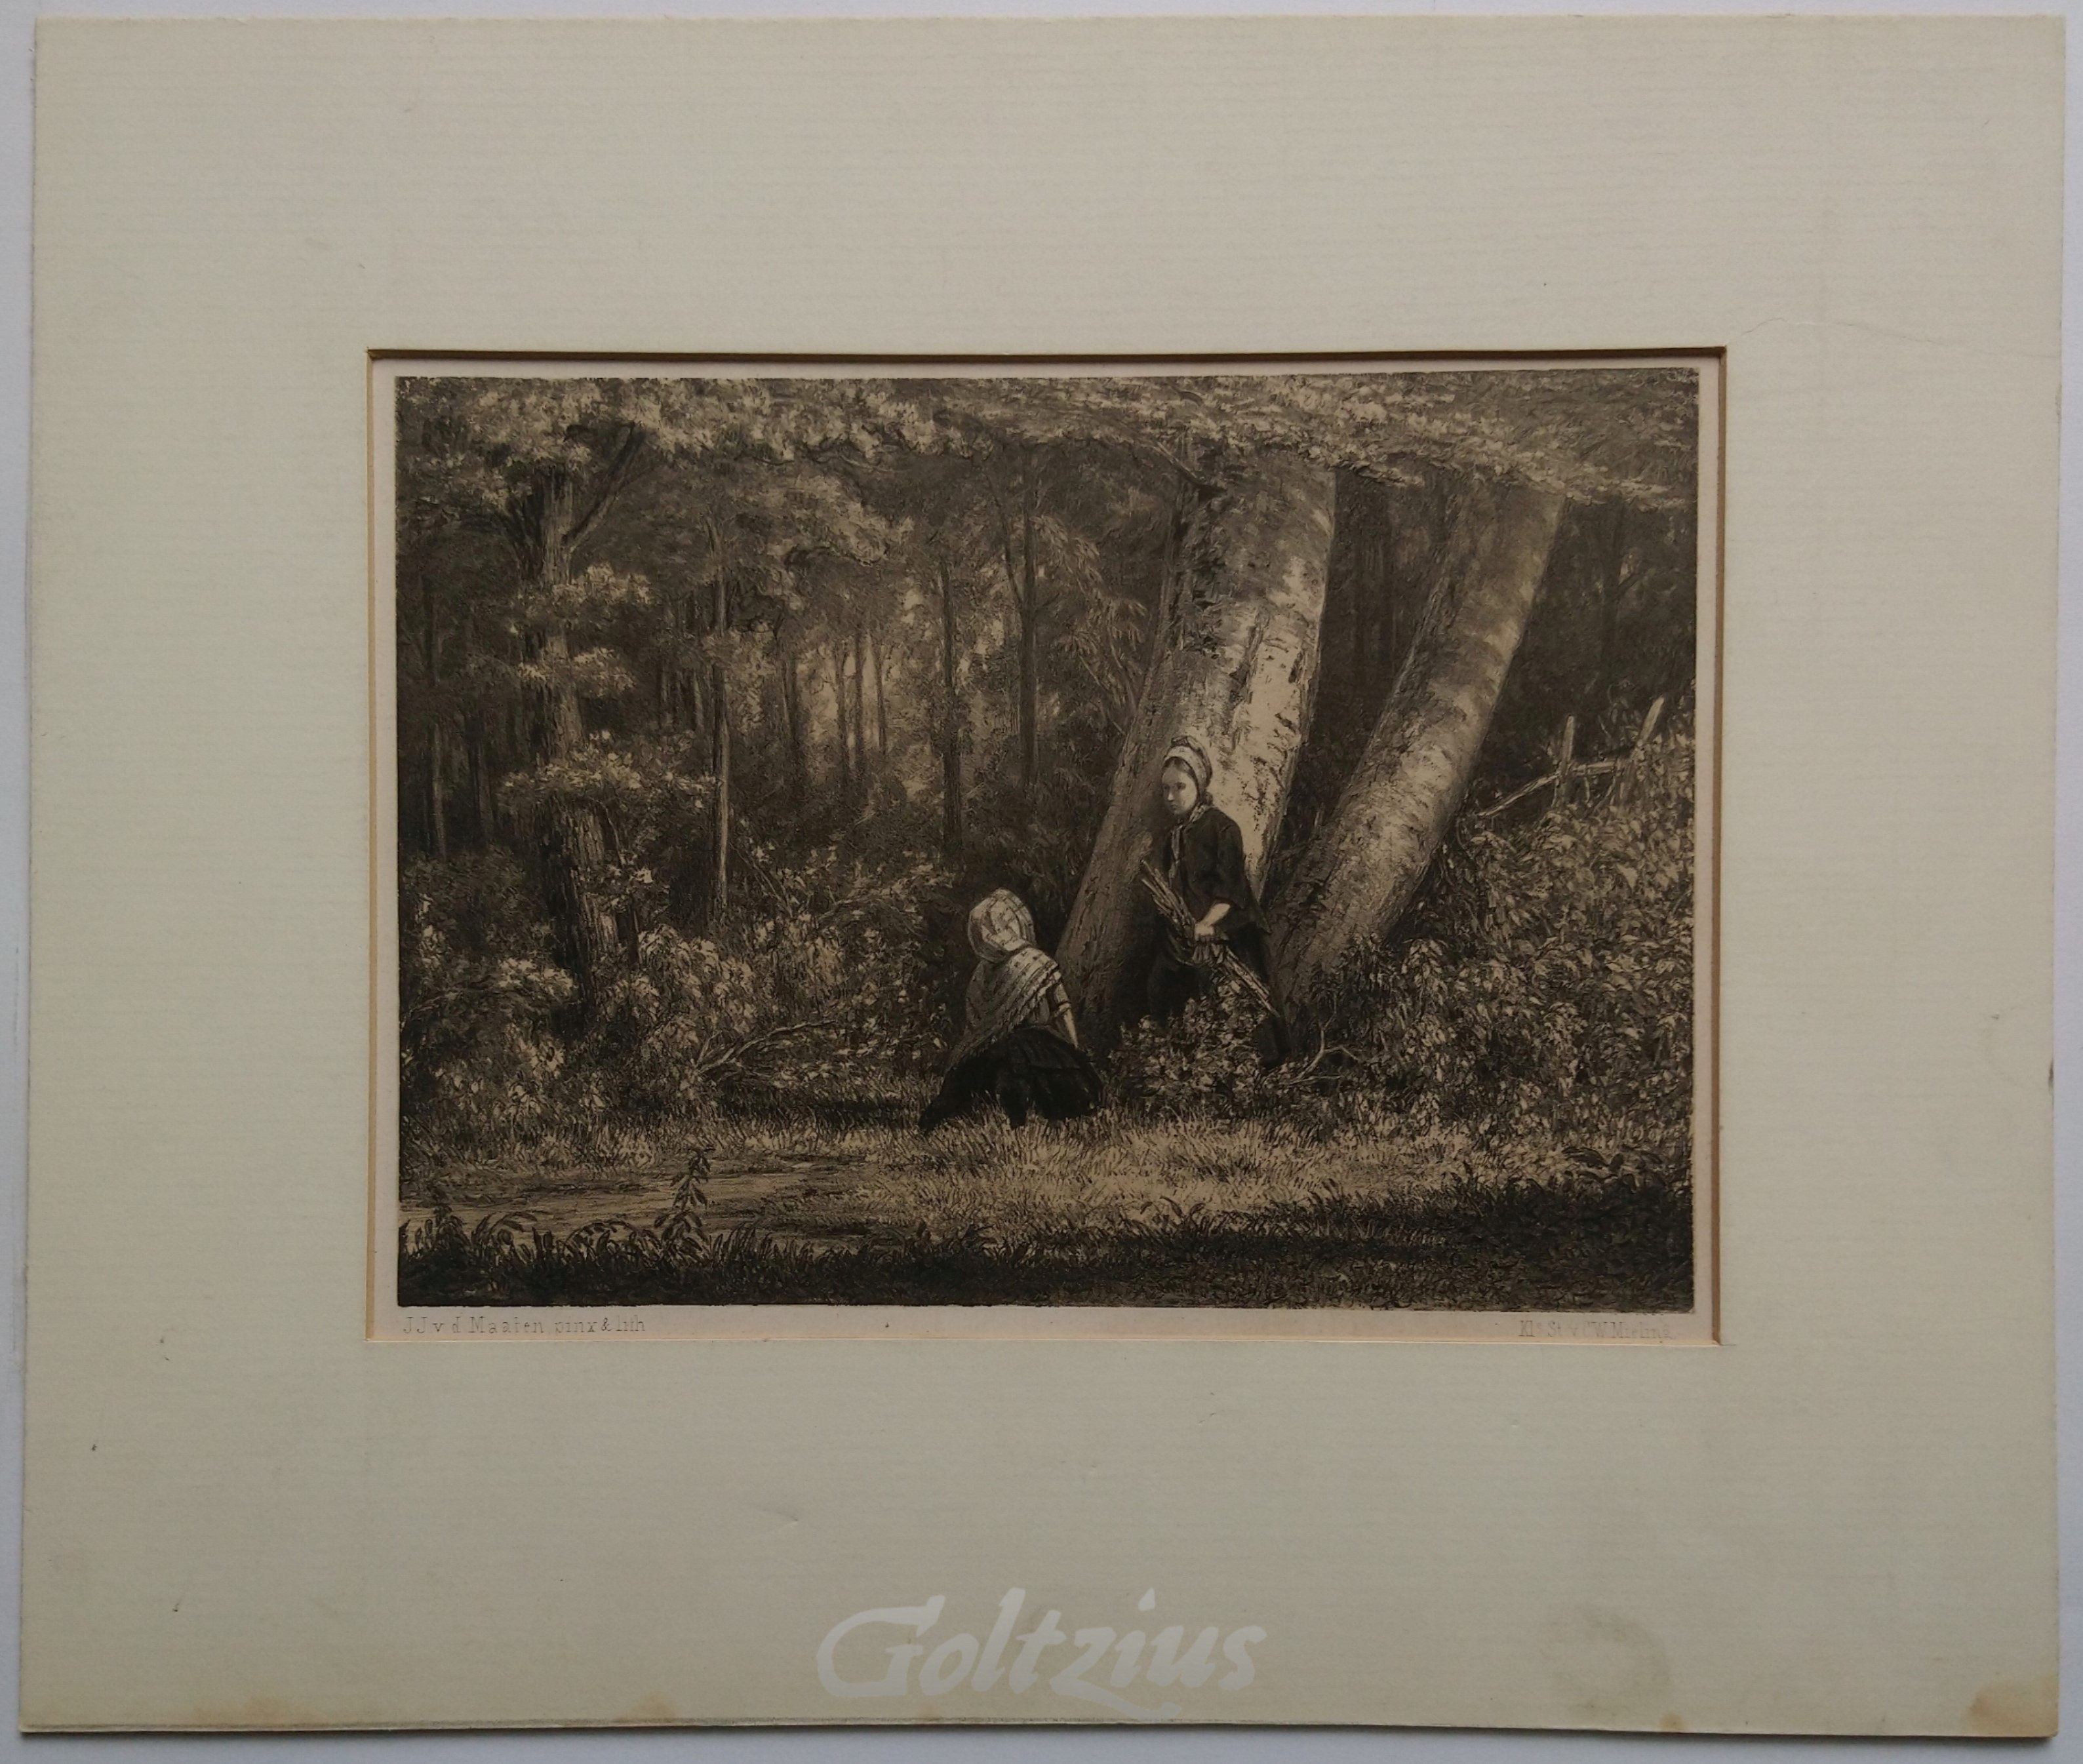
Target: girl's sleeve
1231 883
1059 1001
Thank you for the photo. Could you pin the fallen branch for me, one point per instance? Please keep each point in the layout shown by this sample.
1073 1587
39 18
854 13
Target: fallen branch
1221 957
1568 769
736 1056
1576 770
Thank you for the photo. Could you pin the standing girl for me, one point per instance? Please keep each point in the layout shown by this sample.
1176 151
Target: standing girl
1203 862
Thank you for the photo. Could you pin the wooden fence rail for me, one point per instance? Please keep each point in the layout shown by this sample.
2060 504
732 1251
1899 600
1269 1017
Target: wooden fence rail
1568 769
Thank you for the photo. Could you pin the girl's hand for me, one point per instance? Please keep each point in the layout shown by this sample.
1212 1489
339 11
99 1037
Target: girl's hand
1204 930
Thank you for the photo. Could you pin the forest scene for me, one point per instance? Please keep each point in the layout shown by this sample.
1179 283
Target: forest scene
1161 839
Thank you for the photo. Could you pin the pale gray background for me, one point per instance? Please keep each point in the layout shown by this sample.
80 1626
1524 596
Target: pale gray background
995 1746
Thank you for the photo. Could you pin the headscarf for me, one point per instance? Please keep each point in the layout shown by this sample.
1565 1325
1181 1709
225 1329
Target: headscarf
1011 976
1187 752
999 923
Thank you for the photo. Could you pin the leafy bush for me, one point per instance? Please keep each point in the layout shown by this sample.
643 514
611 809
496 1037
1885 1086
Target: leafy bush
1209 1061
652 802
476 991
784 1000
1570 1002
817 981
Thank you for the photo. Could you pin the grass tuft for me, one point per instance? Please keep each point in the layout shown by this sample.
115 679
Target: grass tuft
1071 1226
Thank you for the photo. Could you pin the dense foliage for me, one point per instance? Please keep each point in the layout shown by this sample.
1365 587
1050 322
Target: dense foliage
720 701
1542 984
1568 1001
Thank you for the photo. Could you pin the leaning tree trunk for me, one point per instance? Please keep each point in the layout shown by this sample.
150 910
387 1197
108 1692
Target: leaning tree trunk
1359 873
1236 672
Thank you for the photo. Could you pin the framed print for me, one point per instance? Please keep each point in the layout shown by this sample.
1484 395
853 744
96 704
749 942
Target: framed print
747 737
1106 871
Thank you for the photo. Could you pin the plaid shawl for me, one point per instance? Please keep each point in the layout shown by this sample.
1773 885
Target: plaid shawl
1002 995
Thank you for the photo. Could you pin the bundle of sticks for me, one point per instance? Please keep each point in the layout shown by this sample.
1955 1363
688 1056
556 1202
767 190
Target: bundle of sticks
1207 952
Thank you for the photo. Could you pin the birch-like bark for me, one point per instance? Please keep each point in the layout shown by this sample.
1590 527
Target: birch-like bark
1361 870
1237 675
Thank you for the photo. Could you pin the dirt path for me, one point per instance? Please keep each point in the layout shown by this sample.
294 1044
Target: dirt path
764 1190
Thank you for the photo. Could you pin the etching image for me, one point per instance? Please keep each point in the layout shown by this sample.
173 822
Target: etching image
1064 837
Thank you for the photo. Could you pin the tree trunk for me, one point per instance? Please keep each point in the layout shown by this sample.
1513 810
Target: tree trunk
1612 586
862 778
1345 634
1030 693
437 822
1382 665
693 712
1364 621
480 782
1030 673
1237 677
1361 868
881 713
574 851
841 723
951 730
720 755
792 711
438 810
1020 584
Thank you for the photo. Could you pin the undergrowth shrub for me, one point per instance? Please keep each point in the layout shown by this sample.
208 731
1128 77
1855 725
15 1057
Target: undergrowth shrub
1568 1003
813 988
1538 992
815 983
477 989
1212 1062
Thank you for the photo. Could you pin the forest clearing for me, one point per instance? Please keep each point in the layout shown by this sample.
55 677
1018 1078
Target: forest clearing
775 756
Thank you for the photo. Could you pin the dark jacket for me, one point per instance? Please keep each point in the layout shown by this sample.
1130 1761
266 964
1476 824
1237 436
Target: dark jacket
1204 861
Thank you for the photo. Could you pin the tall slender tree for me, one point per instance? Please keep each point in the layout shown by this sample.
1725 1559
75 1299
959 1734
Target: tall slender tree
951 709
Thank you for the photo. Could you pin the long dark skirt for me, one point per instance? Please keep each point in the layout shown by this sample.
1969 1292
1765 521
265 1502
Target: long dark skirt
1174 984
1032 1070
